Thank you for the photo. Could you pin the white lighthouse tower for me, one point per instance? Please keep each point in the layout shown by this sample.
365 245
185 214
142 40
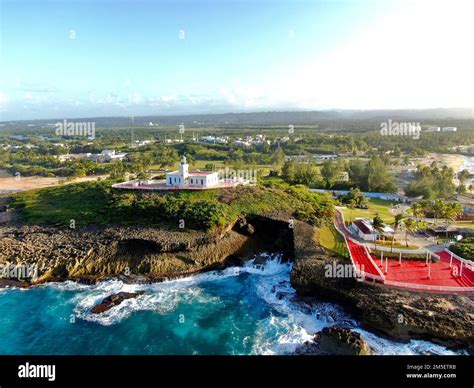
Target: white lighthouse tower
184 169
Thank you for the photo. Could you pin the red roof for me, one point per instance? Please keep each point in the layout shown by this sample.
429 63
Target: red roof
200 173
362 227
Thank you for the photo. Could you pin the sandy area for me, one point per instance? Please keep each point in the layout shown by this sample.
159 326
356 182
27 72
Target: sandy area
456 162
10 182
453 161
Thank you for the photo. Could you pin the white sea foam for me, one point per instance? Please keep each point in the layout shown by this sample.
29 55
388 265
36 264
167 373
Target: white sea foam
384 346
161 297
291 323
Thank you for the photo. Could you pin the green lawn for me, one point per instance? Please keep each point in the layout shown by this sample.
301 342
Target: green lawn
464 224
375 206
331 239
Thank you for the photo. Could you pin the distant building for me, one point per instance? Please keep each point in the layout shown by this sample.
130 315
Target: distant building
214 139
311 158
449 129
107 156
140 143
243 143
65 157
433 129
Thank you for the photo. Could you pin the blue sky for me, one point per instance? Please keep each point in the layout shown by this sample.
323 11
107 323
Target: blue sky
99 58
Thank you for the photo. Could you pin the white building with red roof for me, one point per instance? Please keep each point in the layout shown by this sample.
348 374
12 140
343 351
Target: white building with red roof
184 178
364 229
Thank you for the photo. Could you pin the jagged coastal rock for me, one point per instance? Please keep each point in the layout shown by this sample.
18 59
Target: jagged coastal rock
147 254
114 300
143 255
335 341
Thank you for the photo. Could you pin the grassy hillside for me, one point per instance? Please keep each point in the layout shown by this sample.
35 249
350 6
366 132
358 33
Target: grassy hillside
331 239
96 203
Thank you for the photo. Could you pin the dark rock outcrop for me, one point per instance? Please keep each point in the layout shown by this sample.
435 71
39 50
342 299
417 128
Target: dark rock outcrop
114 300
340 341
335 341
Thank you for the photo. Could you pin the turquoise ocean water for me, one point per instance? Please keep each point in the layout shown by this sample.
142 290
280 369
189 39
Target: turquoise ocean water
245 310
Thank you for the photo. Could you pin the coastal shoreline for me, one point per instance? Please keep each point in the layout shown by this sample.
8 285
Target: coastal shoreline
104 254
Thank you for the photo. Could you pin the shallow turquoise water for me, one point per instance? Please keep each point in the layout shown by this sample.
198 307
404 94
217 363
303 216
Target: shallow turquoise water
245 310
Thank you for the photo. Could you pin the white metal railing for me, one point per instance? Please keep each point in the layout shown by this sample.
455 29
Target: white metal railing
359 272
467 263
428 287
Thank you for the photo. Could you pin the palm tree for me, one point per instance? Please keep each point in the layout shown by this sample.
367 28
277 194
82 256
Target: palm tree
451 212
462 176
417 210
409 224
378 226
438 208
426 206
397 222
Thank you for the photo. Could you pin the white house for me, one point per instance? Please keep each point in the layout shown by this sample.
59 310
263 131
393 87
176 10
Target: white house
363 229
185 178
433 129
107 156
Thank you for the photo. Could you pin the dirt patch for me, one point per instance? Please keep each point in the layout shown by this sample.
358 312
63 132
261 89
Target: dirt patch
10 182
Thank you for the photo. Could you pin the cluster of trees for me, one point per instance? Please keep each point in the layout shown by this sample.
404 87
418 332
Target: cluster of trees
462 177
437 209
432 182
176 211
366 176
235 155
464 248
297 173
355 199
428 142
33 163
371 176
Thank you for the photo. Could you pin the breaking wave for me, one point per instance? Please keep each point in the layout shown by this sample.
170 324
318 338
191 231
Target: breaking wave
240 310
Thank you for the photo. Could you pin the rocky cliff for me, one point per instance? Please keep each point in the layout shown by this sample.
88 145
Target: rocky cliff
138 254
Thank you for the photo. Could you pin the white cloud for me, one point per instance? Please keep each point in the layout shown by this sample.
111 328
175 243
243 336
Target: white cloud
419 56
